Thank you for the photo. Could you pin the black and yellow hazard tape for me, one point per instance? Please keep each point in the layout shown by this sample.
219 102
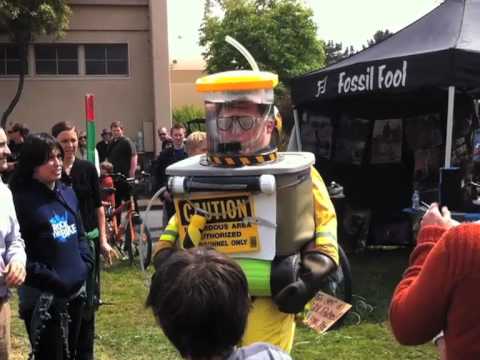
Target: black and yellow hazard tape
237 161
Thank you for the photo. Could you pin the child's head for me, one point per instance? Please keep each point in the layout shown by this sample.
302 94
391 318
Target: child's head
200 299
196 143
106 168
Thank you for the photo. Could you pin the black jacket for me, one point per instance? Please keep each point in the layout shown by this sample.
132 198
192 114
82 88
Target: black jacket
58 255
166 158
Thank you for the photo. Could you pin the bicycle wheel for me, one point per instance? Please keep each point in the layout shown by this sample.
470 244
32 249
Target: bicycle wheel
141 248
112 238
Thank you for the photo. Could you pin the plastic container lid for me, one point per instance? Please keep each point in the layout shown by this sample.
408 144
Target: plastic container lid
287 163
238 80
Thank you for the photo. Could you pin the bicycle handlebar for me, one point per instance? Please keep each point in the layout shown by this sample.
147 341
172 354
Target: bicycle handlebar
475 184
135 179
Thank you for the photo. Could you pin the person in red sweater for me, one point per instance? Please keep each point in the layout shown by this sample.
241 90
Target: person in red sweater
440 289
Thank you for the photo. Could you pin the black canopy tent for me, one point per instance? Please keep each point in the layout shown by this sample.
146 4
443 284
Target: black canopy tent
427 67
409 71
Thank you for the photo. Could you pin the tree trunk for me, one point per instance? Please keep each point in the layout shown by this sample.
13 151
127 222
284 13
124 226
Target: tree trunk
21 77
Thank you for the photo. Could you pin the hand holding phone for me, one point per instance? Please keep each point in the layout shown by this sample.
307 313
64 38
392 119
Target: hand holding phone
433 216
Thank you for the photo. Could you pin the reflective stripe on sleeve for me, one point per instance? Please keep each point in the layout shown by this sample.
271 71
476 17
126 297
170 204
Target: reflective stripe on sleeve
171 231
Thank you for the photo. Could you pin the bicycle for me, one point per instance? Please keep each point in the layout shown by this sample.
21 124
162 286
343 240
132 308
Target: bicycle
137 241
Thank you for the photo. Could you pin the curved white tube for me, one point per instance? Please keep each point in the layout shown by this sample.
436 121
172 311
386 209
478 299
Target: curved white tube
150 203
243 51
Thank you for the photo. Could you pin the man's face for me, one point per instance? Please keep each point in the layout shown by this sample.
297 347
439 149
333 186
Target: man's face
117 132
162 134
15 136
244 123
82 140
4 150
107 136
69 142
178 135
51 170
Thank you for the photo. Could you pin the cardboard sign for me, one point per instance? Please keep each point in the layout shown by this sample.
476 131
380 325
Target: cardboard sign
325 311
228 229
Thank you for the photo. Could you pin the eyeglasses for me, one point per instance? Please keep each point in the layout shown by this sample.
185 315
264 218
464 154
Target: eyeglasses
162 134
245 122
82 138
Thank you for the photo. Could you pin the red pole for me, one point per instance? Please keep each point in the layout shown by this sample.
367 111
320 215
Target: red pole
90 117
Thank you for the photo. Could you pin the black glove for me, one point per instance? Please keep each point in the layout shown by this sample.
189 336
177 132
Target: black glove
314 268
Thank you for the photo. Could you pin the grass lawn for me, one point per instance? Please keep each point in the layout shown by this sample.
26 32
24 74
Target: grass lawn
126 330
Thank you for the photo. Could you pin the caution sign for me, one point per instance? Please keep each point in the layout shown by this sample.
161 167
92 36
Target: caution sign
229 227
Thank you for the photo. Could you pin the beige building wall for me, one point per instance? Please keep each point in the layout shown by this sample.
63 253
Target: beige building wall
183 86
162 102
48 99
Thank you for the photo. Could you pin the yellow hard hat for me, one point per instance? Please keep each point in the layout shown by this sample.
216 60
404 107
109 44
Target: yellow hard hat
238 80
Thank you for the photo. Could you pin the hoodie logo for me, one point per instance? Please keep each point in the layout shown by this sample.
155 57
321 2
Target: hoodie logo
61 229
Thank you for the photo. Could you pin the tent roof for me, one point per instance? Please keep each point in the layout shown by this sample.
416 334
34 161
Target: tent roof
440 49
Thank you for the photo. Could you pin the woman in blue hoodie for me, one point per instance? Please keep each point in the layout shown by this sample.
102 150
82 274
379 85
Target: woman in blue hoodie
58 256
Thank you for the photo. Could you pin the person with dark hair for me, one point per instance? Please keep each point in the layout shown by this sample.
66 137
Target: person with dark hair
102 145
122 152
164 138
123 155
302 255
82 176
82 145
200 300
16 135
52 299
82 149
167 157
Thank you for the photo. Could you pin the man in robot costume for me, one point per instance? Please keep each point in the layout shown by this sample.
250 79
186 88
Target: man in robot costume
242 131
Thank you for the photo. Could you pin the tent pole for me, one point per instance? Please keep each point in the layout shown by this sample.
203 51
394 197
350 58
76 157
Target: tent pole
448 141
297 129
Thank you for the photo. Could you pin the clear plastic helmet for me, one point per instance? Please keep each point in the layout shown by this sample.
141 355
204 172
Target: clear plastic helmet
240 119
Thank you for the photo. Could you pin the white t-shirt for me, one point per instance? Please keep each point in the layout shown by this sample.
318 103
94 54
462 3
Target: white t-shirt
259 351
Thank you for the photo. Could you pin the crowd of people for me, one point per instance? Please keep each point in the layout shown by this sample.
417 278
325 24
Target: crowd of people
52 229
52 233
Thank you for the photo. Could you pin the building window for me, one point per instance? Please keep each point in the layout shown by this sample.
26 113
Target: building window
106 59
10 60
59 59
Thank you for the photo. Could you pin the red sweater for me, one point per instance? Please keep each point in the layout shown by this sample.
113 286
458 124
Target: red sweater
440 290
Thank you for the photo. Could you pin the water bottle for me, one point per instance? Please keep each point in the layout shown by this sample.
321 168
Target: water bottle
415 200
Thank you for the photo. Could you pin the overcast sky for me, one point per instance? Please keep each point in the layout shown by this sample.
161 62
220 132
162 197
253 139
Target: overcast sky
351 22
